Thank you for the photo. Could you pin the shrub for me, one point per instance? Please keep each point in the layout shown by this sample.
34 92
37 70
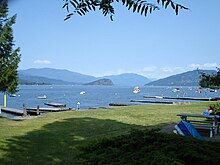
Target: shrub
215 108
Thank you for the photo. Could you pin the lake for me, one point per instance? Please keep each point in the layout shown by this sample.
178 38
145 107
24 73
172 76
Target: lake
95 96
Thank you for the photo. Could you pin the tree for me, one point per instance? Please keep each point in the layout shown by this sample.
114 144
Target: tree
210 81
81 7
9 58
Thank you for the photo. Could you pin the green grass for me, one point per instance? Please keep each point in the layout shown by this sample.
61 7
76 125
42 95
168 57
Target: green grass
55 138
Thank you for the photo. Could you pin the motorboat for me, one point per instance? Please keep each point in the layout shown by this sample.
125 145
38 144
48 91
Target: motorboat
212 90
42 97
136 90
176 90
82 93
12 95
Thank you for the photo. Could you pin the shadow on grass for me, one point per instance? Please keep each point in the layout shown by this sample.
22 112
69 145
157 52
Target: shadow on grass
57 143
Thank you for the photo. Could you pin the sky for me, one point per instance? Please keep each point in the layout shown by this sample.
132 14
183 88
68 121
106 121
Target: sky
159 45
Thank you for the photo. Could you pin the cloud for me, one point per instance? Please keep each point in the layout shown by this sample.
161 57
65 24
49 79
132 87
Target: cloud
160 71
203 66
42 62
193 66
150 68
172 69
210 65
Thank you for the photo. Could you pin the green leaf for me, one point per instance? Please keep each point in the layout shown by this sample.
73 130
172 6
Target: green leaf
151 10
89 7
85 9
177 9
66 18
123 2
72 3
163 2
105 12
111 17
65 5
93 7
69 15
134 7
168 2
146 9
142 10
130 5
127 3
79 13
172 5
75 2
183 7
67 8
139 7
82 12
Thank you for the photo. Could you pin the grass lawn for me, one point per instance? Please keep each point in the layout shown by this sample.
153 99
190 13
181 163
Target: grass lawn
54 138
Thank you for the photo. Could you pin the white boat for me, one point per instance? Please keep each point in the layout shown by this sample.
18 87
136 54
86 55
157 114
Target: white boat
82 93
42 97
176 90
212 90
136 90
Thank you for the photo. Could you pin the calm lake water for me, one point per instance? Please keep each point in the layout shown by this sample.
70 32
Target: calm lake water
95 96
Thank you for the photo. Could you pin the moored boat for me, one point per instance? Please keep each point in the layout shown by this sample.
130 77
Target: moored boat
176 90
42 97
82 93
136 90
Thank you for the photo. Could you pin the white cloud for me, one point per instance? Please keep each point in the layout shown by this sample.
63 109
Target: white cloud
203 66
167 69
150 68
193 66
210 65
42 62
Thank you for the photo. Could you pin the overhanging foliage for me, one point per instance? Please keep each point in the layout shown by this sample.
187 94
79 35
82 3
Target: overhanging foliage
81 7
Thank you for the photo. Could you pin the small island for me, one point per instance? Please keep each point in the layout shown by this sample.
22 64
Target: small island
104 82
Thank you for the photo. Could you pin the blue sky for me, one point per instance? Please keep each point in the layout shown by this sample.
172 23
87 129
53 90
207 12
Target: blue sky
156 46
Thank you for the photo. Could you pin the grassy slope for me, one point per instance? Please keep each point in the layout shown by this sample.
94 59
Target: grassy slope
54 137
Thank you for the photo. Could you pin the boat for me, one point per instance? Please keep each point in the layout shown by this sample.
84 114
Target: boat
55 104
12 95
212 90
42 97
176 90
82 93
136 90
199 91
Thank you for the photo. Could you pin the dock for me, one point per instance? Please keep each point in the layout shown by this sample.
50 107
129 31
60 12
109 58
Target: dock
48 109
55 104
185 98
12 111
118 104
152 102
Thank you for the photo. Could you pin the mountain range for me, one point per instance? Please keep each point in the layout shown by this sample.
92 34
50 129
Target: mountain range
190 78
65 77
128 79
58 74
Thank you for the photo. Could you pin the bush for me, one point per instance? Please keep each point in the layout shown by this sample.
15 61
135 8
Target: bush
215 108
